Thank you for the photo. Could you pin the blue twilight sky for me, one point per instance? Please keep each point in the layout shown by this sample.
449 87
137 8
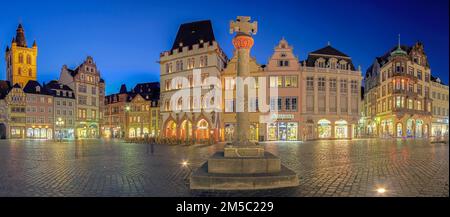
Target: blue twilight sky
126 37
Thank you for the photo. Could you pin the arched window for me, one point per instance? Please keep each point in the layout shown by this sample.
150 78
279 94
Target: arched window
30 72
20 58
19 71
167 105
399 130
180 104
332 63
132 133
320 63
343 65
28 59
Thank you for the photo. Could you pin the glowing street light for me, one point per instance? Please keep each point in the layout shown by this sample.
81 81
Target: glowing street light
381 190
184 163
60 123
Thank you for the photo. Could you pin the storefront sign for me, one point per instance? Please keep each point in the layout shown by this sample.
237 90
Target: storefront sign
282 117
445 121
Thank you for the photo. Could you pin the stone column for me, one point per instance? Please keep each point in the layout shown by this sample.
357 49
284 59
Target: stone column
316 95
303 90
338 96
349 97
242 43
194 127
327 95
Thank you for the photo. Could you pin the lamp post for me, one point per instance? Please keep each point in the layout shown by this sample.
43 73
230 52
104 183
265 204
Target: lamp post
127 109
59 124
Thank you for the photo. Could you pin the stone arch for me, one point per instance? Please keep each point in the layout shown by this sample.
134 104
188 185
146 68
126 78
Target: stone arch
399 129
170 128
202 129
131 133
419 128
410 127
186 129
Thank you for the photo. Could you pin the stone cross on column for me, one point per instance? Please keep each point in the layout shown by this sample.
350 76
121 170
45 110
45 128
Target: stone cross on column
243 42
243 25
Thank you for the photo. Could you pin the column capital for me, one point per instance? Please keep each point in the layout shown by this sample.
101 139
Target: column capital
243 42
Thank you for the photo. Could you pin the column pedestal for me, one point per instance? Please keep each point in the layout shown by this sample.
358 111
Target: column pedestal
242 165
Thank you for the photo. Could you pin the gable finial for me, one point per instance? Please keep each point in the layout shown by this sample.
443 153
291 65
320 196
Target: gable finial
329 43
399 40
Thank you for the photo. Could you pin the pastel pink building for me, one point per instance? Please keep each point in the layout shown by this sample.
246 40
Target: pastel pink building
39 111
282 71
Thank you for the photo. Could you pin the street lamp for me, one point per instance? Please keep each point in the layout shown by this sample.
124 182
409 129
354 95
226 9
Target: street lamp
60 123
127 109
185 164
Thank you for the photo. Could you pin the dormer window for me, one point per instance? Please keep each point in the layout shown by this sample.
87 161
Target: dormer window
332 63
342 65
320 63
38 89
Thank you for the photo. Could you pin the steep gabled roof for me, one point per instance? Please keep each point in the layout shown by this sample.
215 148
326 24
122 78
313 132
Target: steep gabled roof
326 53
385 57
329 50
146 87
53 84
191 33
5 87
31 87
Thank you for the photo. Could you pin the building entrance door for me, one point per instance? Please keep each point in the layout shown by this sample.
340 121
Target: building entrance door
282 131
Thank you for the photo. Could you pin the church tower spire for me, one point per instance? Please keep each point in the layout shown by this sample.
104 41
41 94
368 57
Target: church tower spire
21 60
20 36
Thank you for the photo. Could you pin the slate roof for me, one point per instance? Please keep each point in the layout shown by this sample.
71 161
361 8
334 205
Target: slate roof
73 72
5 87
149 91
329 50
53 85
385 57
326 53
191 33
31 86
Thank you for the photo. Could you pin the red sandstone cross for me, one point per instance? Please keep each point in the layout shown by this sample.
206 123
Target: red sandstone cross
243 25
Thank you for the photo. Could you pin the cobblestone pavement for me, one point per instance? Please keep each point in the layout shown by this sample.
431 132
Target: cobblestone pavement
325 168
